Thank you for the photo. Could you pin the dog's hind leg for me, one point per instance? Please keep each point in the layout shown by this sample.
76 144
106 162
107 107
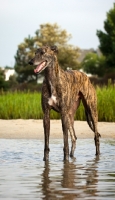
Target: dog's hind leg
92 119
72 134
71 125
73 140
90 105
97 135
67 125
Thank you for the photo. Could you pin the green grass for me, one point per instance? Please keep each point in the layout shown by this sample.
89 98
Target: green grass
27 105
106 103
24 105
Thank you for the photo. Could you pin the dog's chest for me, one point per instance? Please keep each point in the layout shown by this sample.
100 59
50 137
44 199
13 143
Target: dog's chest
53 100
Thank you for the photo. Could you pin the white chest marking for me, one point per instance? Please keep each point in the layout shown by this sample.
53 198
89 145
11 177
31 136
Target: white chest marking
52 100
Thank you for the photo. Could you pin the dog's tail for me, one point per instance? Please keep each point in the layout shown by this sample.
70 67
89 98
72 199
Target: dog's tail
88 114
90 121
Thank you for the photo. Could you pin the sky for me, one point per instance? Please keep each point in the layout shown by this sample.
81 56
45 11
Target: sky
21 18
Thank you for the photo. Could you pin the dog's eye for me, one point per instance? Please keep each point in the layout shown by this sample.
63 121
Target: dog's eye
42 51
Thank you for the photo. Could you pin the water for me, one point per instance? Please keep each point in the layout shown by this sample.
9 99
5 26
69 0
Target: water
24 174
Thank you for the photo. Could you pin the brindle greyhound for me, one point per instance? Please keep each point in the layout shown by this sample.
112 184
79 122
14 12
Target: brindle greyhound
63 91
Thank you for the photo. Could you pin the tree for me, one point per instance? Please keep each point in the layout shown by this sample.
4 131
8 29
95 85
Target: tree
67 57
24 54
50 34
107 41
94 64
3 84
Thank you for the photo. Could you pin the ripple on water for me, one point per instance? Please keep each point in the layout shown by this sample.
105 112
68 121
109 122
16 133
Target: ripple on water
24 174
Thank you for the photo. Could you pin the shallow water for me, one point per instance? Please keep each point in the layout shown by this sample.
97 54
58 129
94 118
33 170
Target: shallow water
24 174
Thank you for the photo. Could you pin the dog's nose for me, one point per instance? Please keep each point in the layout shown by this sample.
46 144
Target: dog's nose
30 62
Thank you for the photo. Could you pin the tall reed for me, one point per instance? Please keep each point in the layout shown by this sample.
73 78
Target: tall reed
27 105
106 103
20 105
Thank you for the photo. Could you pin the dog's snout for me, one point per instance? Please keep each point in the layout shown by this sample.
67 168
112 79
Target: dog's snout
30 62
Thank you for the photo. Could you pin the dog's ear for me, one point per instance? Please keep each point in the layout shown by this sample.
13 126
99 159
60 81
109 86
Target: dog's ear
54 48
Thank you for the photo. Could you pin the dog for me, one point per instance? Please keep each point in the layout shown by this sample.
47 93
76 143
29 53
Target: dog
63 91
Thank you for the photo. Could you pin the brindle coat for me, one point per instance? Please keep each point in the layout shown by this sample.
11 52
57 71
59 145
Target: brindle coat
63 91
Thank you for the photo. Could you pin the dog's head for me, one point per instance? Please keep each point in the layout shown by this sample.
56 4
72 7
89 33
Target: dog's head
43 57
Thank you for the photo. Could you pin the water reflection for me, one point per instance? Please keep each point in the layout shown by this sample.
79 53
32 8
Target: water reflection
24 175
74 181
46 181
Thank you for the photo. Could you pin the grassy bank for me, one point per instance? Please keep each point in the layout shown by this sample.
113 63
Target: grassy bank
28 105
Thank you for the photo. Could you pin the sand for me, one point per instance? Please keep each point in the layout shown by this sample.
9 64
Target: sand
33 129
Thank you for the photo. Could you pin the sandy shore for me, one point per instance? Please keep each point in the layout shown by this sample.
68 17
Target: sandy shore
33 129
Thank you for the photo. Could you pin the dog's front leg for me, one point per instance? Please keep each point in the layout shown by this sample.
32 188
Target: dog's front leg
46 124
65 136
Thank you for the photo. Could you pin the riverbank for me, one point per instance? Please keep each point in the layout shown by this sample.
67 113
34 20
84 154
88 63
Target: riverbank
33 129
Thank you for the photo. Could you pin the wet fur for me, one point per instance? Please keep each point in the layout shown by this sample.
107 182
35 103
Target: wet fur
63 91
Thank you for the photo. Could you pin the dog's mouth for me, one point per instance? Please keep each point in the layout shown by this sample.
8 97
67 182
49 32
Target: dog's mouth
40 67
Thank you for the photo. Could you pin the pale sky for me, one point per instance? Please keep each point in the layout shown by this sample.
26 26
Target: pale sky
20 18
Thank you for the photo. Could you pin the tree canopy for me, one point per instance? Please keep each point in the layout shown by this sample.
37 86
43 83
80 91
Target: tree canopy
94 64
104 63
50 34
107 40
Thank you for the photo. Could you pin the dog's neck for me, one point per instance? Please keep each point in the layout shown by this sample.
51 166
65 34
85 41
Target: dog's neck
52 73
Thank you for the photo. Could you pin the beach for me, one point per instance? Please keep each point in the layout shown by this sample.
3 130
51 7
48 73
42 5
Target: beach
33 129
